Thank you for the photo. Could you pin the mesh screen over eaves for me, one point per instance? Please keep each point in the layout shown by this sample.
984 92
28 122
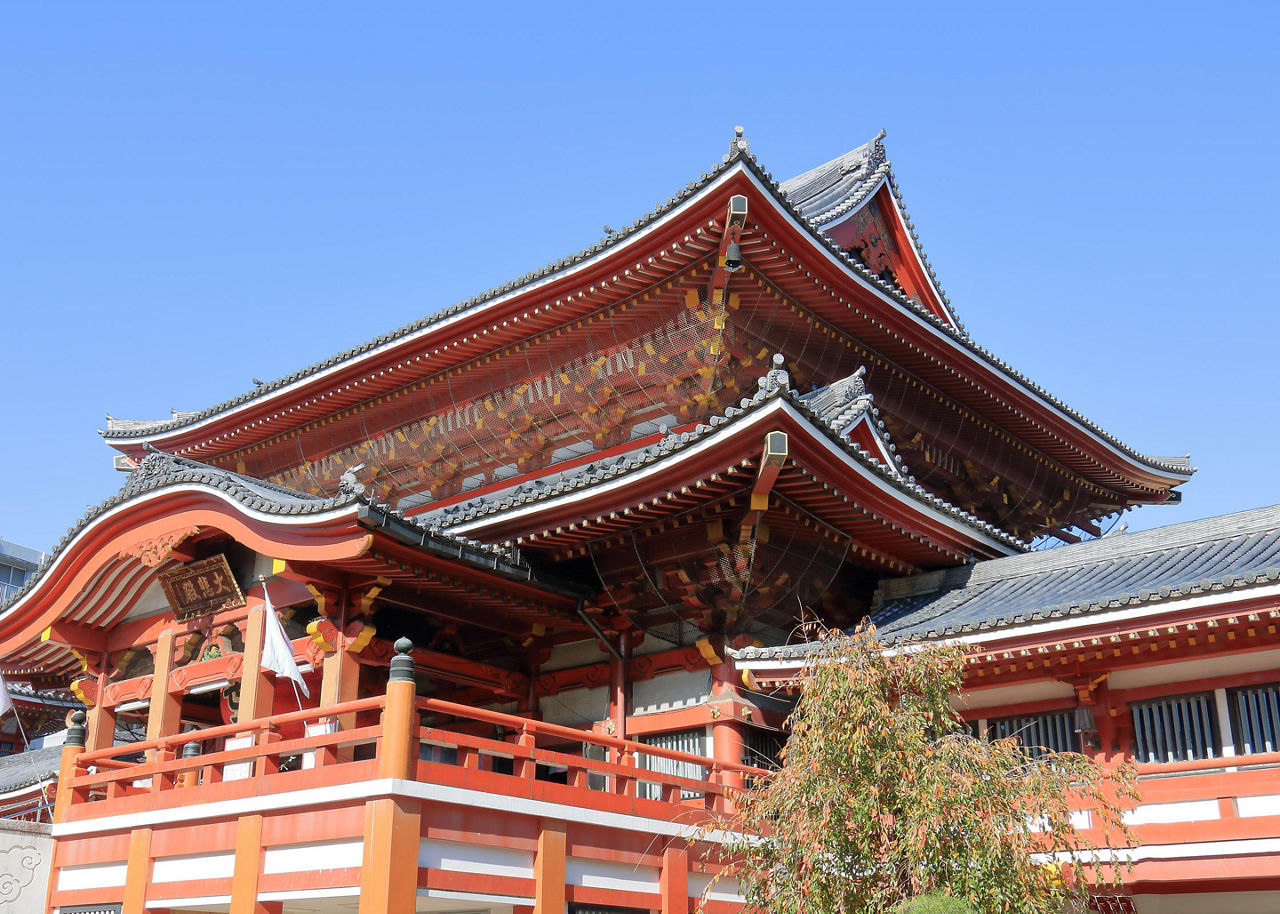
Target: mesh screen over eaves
663 358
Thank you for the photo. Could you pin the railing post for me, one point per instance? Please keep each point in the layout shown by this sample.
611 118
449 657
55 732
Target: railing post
72 746
399 733
160 779
525 766
165 710
625 785
393 824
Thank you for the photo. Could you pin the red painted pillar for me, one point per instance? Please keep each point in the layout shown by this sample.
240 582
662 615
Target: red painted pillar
620 686
393 825
726 731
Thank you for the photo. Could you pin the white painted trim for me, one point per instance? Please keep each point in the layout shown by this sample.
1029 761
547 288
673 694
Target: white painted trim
1261 805
307 858
180 868
190 901
615 877
91 876
365 790
472 896
726 888
303 894
1188 851
1167 813
459 857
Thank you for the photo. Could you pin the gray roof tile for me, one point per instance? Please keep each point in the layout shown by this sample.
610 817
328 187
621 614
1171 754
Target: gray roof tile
1231 552
159 471
122 429
30 767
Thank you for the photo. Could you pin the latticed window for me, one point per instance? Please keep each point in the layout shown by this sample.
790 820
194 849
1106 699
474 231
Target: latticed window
1255 717
690 742
1038 734
1175 729
763 748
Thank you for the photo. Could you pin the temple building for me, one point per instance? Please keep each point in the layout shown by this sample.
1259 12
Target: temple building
542 564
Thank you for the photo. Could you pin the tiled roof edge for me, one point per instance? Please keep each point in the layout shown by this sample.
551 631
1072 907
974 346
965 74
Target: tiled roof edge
961 336
770 387
133 429
140 428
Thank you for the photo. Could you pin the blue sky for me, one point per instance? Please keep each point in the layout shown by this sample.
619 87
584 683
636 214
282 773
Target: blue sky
194 195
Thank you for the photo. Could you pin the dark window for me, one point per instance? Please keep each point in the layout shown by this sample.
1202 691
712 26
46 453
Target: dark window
690 742
1255 718
1175 729
1038 734
763 748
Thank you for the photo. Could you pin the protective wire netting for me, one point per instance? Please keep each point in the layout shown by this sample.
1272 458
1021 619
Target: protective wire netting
664 358
720 568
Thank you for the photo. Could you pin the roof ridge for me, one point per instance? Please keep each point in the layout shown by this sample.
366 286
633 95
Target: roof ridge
133 429
137 428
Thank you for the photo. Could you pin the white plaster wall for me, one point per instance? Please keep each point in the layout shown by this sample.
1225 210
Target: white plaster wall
1003 696
677 689
1232 665
1208 903
579 653
576 707
26 850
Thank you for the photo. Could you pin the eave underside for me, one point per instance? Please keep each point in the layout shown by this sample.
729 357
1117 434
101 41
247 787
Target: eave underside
969 433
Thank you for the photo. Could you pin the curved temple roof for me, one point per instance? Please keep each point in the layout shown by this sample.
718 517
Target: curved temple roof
815 196
159 472
828 413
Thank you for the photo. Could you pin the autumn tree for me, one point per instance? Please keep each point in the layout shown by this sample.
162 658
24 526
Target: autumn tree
884 797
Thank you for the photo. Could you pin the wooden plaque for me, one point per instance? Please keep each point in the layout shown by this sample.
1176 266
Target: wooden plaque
201 588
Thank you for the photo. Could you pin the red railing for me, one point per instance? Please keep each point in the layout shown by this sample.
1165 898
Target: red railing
344 743
535 750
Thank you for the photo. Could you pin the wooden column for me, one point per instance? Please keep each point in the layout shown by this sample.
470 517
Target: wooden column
102 725
257 687
138 873
674 881
340 682
726 731
393 825
620 686
548 870
165 711
248 870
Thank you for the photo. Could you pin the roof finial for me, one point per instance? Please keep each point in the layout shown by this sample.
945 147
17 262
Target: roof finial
739 145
